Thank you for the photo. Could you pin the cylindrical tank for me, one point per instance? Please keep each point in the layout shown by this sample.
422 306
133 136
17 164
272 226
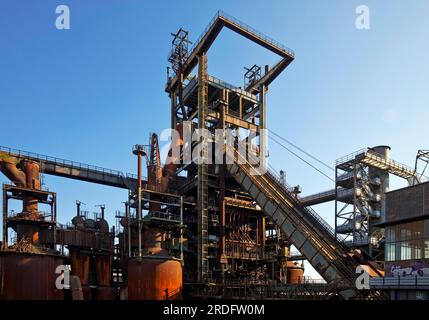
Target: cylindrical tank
103 269
27 276
102 225
80 266
295 272
382 150
156 276
90 223
79 222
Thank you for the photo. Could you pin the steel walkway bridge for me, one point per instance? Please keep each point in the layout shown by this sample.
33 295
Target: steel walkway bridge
308 232
373 159
72 169
370 158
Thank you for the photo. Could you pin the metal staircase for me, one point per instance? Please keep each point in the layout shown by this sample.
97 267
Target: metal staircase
312 236
375 160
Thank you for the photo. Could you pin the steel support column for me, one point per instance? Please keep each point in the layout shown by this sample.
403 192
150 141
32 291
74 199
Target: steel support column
5 235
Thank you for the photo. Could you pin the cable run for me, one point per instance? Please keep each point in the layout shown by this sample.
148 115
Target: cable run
308 163
303 151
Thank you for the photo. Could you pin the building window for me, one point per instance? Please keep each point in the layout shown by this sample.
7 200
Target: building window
408 241
416 249
390 234
390 252
405 232
405 251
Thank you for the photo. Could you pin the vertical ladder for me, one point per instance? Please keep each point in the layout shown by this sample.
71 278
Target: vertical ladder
202 170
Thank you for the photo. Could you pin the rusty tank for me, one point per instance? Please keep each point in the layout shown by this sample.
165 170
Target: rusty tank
103 269
79 263
295 272
29 276
156 275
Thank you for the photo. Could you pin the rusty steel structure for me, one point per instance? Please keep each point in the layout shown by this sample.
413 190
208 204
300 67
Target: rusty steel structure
199 229
27 267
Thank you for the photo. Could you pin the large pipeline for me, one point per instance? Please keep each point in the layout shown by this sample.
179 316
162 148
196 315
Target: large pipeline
9 167
24 173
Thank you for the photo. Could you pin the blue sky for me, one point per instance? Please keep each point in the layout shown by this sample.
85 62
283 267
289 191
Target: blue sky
89 93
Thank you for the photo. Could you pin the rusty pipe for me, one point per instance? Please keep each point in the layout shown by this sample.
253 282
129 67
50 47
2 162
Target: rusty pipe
32 181
139 199
173 158
139 152
32 174
10 169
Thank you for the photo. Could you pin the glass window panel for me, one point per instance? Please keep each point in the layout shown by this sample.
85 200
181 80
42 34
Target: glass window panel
405 251
426 248
405 232
417 229
390 252
390 234
416 249
398 250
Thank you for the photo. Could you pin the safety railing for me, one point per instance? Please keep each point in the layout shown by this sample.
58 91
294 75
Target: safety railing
162 215
310 212
261 35
350 156
310 280
64 162
317 223
248 289
395 165
242 25
368 152
416 281
231 87
41 215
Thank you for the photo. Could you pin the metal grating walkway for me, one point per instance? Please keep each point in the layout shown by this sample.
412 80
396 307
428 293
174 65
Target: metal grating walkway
74 170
